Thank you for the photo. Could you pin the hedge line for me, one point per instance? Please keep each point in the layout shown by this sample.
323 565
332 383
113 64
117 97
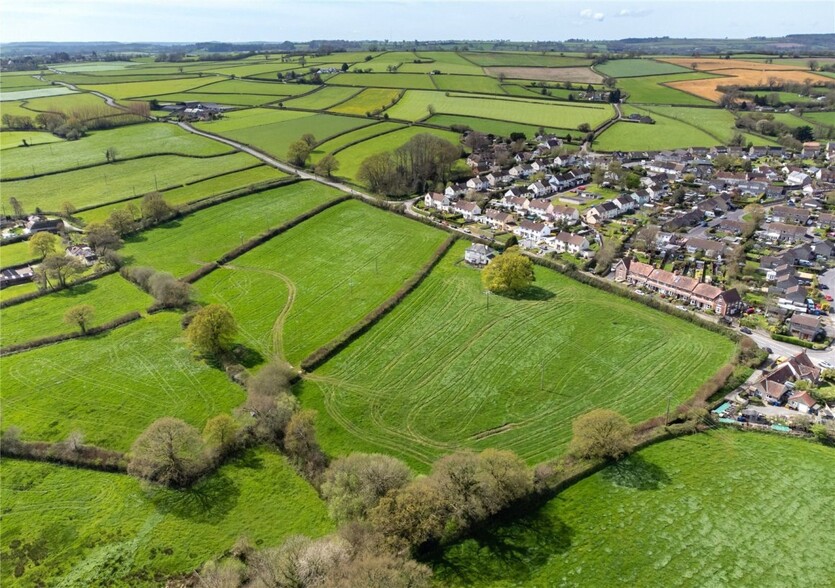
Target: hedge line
85 456
201 272
274 232
43 341
794 341
235 194
33 295
321 355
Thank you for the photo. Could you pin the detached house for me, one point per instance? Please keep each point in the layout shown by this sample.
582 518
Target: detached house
437 200
478 184
805 326
478 254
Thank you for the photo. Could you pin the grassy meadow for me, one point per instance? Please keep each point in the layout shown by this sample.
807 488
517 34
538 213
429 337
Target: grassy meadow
443 372
633 68
384 80
72 527
351 137
111 296
323 98
686 513
654 89
15 253
12 139
367 101
183 245
111 386
301 289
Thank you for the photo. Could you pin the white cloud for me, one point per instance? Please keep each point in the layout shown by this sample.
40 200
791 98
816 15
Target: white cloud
588 13
635 13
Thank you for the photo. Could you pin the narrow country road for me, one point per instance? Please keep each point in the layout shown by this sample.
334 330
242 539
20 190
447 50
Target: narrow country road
107 99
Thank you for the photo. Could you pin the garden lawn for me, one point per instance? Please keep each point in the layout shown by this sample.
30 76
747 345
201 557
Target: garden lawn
649 90
193 192
443 372
76 527
680 513
113 181
305 287
356 136
632 68
415 105
383 80
112 386
15 253
130 141
184 245
351 158
111 297
367 101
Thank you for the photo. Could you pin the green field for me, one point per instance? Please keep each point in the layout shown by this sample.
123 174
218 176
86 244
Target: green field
367 101
384 80
648 90
193 192
351 158
480 84
72 527
112 181
15 81
824 118
182 246
111 297
687 512
442 372
323 98
95 66
19 290
507 58
274 131
81 105
666 133
251 87
148 88
358 135
496 127
110 387
16 108
15 253
130 141
632 68
224 99
12 139
415 106
301 289
34 93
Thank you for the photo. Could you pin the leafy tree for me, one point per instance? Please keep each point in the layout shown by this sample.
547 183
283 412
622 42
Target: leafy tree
509 273
61 267
42 244
212 330
298 152
302 447
271 414
155 209
601 434
17 207
309 139
221 432
168 452
803 133
411 515
110 154
353 485
81 316
327 165
121 221
68 209
584 127
103 238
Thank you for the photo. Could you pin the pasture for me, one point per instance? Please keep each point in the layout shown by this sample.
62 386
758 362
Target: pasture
12 139
75 527
304 287
254 87
675 514
499 128
199 190
34 93
184 245
111 296
15 253
383 80
323 98
358 135
583 75
130 141
351 158
523 59
19 290
367 101
138 89
443 371
415 105
666 133
824 118
478 84
108 182
111 386
657 89
81 105
631 68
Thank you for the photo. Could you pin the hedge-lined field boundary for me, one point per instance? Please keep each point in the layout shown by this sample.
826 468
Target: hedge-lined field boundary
44 341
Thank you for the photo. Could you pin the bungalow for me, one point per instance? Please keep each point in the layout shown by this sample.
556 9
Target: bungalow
83 253
798 178
826 220
734 227
805 326
534 231
711 248
772 386
13 277
802 402
784 232
574 244
40 224
478 254
437 200
790 214
469 210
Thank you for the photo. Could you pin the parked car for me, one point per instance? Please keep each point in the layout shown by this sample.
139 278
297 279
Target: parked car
827 365
746 330
823 287
828 297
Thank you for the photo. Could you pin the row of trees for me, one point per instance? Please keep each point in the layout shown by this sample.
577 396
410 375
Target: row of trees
422 162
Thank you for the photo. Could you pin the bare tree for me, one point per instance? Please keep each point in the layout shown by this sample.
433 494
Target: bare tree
353 485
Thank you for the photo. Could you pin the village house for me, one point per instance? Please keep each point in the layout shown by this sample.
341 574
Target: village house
712 249
40 224
517 203
605 211
784 232
437 200
565 214
541 207
568 243
804 326
774 386
532 230
455 190
802 402
498 220
790 214
478 184
469 210
539 189
478 254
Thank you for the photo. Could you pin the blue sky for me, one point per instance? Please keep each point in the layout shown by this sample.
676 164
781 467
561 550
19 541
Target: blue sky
299 20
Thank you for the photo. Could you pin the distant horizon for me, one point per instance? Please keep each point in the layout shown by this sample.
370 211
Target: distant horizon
191 21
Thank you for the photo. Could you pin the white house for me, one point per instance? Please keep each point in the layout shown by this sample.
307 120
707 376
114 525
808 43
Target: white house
468 210
574 244
520 171
437 200
478 254
541 207
532 230
517 203
478 183
498 219
455 190
797 178
565 214
625 202
539 189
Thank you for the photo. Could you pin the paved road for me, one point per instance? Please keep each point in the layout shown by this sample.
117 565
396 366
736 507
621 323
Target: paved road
108 100
779 348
